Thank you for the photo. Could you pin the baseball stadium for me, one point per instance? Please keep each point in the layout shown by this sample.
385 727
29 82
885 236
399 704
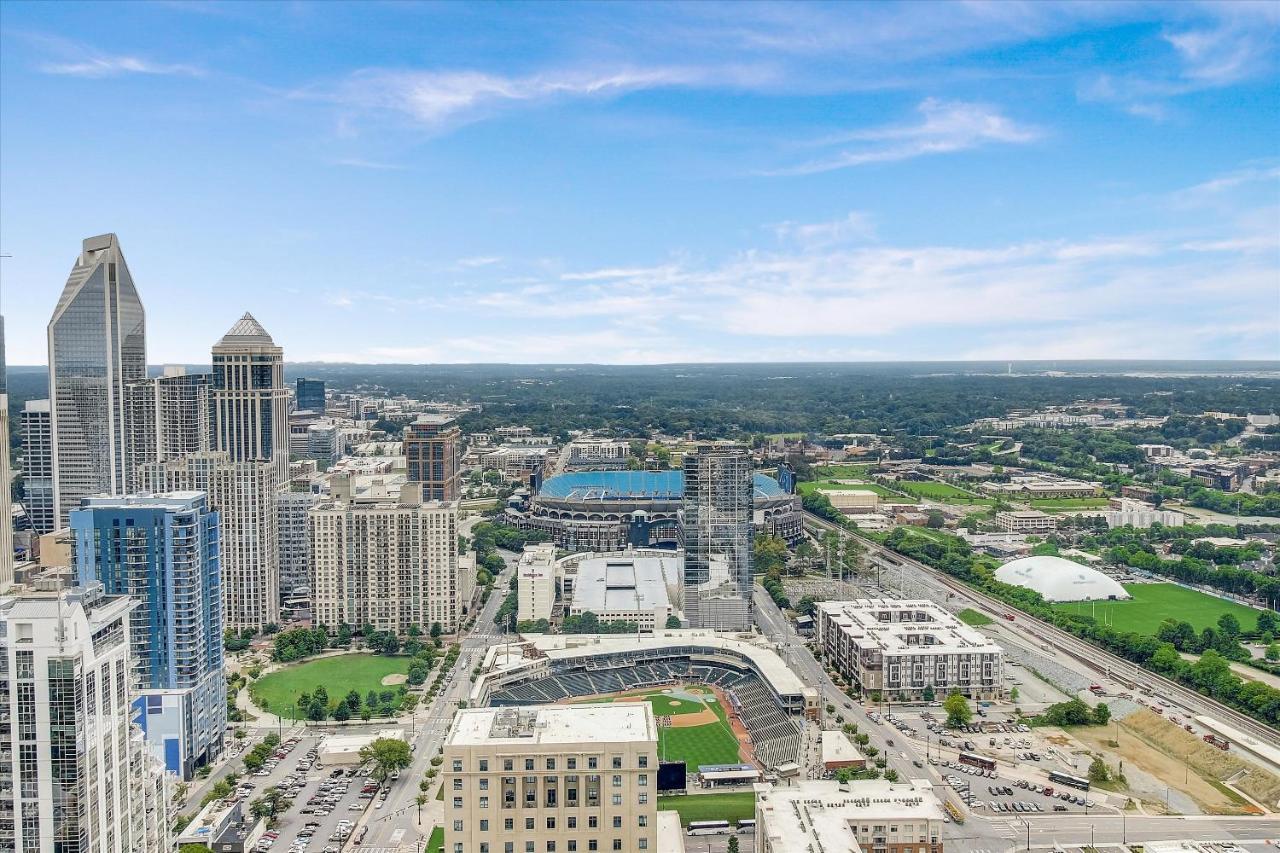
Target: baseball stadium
718 700
609 510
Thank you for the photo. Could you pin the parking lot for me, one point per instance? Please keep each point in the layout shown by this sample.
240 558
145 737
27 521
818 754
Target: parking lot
325 802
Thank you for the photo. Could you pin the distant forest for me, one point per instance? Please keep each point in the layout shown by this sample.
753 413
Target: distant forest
742 399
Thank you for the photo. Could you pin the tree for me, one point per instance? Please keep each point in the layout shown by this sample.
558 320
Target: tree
928 693
1101 714
386 755
673 621
958 711
732 846
1229 625
342 712
1267 623
353 700
436 630
317 711
1273 652
421 800
1013 694
1098 771
936 520
769 553
891 775
270 805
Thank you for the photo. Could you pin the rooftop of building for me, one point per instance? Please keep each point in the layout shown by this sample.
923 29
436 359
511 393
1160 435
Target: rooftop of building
817 814
247 330
630 485
555 724
146 500
895 635
625 583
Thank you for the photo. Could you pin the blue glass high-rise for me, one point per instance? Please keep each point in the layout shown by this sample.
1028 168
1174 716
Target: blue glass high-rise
164 551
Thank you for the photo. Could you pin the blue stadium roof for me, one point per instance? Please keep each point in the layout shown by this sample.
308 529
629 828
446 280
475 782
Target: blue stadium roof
629 485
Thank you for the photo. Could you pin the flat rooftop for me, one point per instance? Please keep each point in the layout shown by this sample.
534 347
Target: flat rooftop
613 584
814 814
554 724
902 626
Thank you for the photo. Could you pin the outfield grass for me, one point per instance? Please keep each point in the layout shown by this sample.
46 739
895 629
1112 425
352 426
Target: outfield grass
734 807
1152 603
278 692
714 743
669 706
969 616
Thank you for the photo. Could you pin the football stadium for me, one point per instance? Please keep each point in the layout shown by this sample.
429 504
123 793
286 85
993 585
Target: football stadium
609 510
718 700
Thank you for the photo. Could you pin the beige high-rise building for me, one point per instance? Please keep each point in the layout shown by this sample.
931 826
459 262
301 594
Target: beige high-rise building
383 562
563 778
244 494
431 456
250 399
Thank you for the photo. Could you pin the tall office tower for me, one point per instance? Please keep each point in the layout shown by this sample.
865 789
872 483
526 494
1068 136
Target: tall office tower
311 395
243 494
431 455
717 513
555 777
168 416
388 563
97 345
37 466
250 400
294 540
4 369
163 551
6 507
78 775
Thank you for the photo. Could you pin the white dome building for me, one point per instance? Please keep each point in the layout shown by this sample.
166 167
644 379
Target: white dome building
1057 579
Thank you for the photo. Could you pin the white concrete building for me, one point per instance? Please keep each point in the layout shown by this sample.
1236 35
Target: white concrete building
1026 521
537 582
907 648
628 588
1041 486
293 534
388 563
1126 512
820 815
571 778
66 709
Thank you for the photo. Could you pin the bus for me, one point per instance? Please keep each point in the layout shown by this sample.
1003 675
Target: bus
977 761
1069 780
708 827
747 825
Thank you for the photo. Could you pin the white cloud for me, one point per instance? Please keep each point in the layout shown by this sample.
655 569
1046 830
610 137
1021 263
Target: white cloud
944 127
104 65
854 226
375 165
477 262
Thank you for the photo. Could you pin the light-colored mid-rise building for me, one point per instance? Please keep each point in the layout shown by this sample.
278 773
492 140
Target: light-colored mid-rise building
294 537
536 582
37 466
908 649
168 416
97 346
852 500
244 494
628 587
1026 521
250 399
388 563
811 815
717 513
163 551
572 778
76 770
1140 515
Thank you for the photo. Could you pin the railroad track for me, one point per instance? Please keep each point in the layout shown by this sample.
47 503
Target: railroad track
1095 658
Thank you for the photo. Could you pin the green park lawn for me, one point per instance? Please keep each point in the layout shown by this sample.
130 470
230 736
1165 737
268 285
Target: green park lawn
277 693
841 472
969 616
1152 603
733 807
828 485
939 491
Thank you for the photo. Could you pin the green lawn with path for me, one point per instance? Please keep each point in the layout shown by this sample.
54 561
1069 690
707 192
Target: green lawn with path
937 491
733 807
827 485
277 693
1152 603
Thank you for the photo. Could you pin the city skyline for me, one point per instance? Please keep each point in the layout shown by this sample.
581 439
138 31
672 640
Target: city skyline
863 182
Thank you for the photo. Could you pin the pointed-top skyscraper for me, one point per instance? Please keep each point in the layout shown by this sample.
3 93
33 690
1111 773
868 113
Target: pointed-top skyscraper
97 344
250 400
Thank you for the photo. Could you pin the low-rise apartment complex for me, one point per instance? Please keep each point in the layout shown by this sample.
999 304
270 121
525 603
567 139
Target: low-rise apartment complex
909 650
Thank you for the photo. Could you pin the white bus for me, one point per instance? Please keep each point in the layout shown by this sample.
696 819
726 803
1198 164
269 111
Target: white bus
708 827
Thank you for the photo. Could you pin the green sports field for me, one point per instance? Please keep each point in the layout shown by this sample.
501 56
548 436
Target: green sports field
713 743
339 675
1068 504
941 492
733 807
1152 603
812 486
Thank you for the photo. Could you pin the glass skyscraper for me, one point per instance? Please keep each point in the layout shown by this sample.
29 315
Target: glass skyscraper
97 345
717 520
311 395
164 552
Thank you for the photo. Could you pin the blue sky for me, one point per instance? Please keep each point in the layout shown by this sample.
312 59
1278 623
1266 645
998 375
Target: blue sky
652 183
